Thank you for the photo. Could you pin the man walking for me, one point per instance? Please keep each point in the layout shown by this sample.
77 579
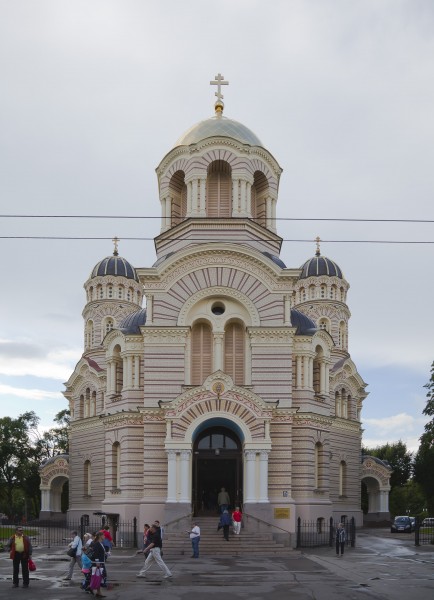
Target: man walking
77 546
223 500
154 548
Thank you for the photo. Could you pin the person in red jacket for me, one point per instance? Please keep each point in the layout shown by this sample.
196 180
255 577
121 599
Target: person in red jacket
21 550
237 517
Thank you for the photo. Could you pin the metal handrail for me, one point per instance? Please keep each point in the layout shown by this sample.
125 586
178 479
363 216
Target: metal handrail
266 523
178 519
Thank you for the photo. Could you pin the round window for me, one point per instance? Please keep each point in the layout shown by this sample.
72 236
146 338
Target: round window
218 308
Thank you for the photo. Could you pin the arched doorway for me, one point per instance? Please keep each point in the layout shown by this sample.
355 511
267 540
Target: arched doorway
217 463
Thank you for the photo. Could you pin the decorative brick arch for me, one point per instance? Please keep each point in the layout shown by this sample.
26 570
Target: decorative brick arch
53 473
376 476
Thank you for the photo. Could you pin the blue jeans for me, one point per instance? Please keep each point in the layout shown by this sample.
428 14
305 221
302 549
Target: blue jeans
195 545
223 507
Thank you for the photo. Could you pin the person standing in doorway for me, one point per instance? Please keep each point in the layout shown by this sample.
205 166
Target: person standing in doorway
195 539
76 545
154 548
21 550
341 538
223 500
237 517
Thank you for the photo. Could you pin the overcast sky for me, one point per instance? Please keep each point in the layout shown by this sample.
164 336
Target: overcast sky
93 94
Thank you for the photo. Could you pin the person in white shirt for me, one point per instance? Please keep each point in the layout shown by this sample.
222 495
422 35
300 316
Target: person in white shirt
195 539
77 545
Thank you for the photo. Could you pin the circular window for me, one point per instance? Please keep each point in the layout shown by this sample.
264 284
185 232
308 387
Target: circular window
218 308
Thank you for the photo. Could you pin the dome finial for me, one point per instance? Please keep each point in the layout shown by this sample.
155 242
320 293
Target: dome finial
115 241
219 105
318 251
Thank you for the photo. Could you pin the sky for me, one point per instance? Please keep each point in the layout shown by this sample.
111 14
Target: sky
93 94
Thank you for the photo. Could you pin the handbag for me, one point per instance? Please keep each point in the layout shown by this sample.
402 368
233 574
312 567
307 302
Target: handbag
71 552
96 578
32 566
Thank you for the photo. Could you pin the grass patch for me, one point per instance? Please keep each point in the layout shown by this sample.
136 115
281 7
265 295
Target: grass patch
7 531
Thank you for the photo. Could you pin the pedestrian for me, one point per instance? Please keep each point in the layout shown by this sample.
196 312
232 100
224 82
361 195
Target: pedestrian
98 558
76 547
108 540
237 517
154 548
225 521
341 538
195 539
223 500
145 543
21 550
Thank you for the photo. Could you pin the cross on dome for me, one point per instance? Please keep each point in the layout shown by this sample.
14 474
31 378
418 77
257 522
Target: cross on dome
115 241
219 80
318 251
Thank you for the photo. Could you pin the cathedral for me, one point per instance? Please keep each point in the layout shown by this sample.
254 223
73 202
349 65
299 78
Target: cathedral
235 374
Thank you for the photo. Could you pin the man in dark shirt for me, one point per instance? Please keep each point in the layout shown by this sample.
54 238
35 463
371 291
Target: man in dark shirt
154 548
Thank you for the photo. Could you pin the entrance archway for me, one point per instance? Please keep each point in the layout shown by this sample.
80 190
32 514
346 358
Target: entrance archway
217 463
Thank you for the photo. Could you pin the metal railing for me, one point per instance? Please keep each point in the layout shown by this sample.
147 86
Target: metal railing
322 532
423 535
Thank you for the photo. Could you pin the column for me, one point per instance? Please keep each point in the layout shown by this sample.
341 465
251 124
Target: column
235 198
250 476
113 377
268 212
202 197
322 384
108 377
243 197
263 476
129 372
298 372
305 384
136 372
163 214
248 199
45 500
168 221
124 373
171 476
194 198
327 379
184 474
189 199
149 309
287 310
218 351
310 380
273 215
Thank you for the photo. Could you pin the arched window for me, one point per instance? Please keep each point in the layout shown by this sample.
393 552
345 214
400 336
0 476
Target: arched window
88 337
100 292
312 292
323 291
116 465
342 335
81 407
117 364
344 404
259 192
87 403
302 294
201 352
342 293
90 294
93 404
337 404
139 297
319 466
333 292
317 384
110 291
120 292
87 478
130 294
342 478
324 324
234 352
178 193
218 190
108 325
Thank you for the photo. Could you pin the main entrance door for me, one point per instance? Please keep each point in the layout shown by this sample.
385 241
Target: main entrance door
217 463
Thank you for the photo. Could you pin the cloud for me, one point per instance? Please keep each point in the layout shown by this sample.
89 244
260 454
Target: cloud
26 358
29 394
402 426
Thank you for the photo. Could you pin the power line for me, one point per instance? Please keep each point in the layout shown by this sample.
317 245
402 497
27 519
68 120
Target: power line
320 219
175 239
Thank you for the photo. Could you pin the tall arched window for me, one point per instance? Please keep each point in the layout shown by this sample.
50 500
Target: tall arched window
178 193
234 352
219 190
311 292
317 383
81 407
89 334
87 478
201 352
87 403
116 465
319 465
342 478
118 364
259 191
324 323
93 405
108 325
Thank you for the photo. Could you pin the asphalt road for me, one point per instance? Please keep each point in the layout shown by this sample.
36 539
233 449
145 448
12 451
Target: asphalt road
381 567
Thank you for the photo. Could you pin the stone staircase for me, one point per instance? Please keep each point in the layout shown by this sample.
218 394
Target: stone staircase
212 543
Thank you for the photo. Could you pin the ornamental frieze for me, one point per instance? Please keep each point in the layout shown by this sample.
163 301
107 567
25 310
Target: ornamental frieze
160 335
121 419
267 336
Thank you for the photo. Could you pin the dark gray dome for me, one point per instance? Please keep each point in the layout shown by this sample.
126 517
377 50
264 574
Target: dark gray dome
132 323
218 126
304 325
320 265
114 265
275 259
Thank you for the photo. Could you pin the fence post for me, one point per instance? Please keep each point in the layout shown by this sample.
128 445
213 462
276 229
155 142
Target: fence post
353 532
82 527
417 533
331 532
299 532
135 532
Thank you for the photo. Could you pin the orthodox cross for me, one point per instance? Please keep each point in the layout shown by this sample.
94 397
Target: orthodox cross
318 251
219 81
115 241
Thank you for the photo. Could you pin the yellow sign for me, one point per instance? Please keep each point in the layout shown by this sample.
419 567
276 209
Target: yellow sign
281 513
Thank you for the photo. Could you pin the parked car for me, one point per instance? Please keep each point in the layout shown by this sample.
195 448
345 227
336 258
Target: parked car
413 522
401 525
428 522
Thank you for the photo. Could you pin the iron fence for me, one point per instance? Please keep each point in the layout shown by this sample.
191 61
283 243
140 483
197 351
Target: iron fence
51 534
423 535
322 532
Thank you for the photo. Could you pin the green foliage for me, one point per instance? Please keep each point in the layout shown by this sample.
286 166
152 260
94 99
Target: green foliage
399 458
408 499
424 461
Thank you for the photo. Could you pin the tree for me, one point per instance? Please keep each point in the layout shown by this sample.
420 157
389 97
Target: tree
399 458
424 461
55 441
17 452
